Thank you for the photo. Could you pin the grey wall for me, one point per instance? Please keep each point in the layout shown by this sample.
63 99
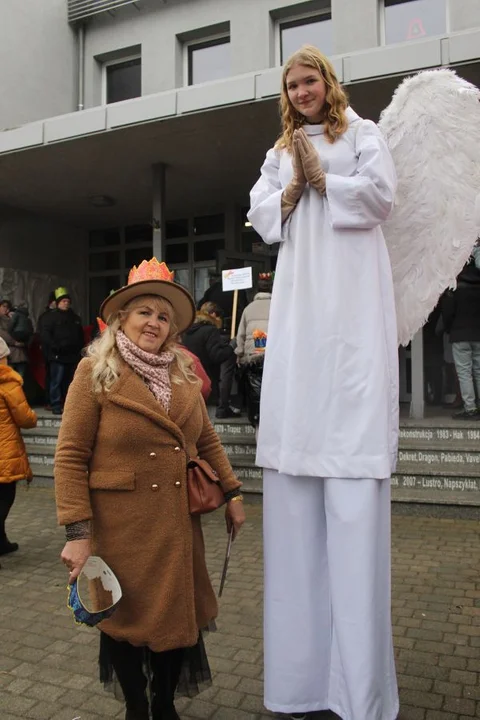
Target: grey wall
464 14
156 29
41 81
38 61
32 243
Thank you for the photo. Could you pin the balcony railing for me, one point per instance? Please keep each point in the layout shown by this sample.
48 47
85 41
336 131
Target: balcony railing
82 9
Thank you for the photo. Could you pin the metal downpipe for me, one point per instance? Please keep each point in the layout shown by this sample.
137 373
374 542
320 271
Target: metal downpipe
81 66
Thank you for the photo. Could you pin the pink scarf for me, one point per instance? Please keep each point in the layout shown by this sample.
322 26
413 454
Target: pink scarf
153 369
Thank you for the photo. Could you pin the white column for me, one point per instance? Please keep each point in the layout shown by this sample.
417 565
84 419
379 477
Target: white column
417 403
158 211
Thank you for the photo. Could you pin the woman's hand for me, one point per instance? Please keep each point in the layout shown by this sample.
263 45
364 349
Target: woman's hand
74 555
293 191
312 166
299 178
235 515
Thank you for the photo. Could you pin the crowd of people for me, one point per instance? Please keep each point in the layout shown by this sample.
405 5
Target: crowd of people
59 336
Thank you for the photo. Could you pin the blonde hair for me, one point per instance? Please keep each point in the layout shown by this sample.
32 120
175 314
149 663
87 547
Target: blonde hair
106 358
336 99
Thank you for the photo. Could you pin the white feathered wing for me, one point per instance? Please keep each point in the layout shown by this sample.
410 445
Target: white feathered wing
432 127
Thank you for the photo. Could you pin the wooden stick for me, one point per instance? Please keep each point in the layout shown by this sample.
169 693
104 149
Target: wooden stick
234 315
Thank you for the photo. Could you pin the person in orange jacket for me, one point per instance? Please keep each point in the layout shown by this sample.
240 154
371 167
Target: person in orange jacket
15 413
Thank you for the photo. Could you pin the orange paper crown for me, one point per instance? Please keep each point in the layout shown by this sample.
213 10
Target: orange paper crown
101 325
150 270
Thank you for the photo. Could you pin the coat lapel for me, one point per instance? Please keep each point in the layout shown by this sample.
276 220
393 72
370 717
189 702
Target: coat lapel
131 393
184 399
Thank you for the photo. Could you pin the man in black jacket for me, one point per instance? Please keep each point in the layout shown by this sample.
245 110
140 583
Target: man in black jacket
62 343
217 356
42 320
461 315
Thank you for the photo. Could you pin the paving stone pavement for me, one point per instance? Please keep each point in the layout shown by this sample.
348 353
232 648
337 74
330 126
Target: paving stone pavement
48 665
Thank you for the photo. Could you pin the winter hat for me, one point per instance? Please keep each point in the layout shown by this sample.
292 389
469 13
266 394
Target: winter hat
61 293
152 278
4 351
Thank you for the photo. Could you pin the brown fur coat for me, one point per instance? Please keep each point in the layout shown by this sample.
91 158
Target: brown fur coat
121 462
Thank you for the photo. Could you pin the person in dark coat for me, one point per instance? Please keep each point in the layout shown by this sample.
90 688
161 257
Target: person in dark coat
461 315
18 358
50 307
224 300
205 340
62 342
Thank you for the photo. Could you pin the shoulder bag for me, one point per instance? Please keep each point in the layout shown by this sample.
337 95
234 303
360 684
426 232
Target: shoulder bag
205 493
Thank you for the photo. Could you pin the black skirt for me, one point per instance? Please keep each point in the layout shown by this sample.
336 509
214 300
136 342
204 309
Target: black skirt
195 674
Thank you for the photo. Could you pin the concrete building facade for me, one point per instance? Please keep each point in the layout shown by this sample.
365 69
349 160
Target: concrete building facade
128 128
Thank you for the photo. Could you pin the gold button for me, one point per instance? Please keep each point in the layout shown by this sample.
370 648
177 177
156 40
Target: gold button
178 483
154 487
153 454
177 449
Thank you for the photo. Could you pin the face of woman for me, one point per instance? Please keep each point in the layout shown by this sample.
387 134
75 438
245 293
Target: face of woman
147 325
306 91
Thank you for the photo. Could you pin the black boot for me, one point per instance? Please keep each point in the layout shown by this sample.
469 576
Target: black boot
166 667
138 713
127 662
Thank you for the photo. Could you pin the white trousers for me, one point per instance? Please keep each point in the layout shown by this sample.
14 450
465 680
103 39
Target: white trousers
328 634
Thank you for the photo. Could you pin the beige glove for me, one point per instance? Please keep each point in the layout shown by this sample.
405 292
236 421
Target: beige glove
293 192
312 167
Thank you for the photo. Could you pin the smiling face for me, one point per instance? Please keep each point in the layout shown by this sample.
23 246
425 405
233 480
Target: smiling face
147 322
306 91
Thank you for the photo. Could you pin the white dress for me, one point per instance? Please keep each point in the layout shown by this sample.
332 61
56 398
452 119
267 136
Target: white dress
330 383
328 432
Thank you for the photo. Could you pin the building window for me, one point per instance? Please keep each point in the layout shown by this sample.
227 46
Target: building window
305 30
414 19
209 224
207 249
122 79
177 253
101 238
175 229
101 261
208 60
139 234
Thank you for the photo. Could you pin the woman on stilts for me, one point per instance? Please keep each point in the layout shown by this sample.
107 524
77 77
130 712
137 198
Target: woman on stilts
329 410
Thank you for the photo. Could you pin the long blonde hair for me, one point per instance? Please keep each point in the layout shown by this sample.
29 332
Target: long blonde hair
106 358
336 100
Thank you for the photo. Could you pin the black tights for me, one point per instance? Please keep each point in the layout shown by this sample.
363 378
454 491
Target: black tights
128 663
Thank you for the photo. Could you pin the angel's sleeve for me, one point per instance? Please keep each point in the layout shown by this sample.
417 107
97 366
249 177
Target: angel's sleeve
365 199
266 201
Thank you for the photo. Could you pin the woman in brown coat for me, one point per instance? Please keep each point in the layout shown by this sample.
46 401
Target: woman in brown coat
15 413
134 415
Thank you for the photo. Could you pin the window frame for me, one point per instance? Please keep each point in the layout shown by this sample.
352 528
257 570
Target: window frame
189 47
118 61
296 21
382 22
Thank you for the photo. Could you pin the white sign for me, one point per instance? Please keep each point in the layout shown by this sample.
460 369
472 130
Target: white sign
239 279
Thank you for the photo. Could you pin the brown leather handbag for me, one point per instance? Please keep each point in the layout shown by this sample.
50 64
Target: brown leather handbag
205 493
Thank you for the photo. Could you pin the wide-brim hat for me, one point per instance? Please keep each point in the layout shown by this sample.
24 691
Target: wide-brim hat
152 278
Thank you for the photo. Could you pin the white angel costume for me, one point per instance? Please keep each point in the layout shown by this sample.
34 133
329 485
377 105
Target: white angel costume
329 407
328 431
